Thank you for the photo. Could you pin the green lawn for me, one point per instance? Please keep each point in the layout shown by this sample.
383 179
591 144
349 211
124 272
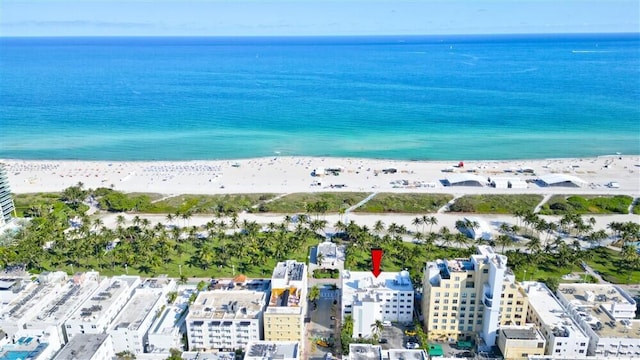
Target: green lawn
563 204
23 202
297 203
609 264
405 203
261 269
207 204
605 261
495 204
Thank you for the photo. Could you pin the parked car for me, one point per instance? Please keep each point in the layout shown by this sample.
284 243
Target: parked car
410 332
386 323
412 345
383 341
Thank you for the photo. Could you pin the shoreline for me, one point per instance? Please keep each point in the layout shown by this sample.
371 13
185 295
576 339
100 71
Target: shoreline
287 174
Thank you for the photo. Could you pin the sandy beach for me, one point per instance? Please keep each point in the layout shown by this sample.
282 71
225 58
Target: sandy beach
295 174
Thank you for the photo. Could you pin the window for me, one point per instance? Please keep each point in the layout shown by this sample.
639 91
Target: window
469 276
469 328
473 295
464 296
510 296
446 294
485 271
446 286
446 301
470 321
454 308
583 344
540 345
581 351
437 294
455 301
457 286
479 322
444 321
436 314
445 308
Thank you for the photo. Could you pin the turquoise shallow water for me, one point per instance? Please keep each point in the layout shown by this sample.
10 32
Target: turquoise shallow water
500 97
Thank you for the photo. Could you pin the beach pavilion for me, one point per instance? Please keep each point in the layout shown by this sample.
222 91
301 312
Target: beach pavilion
464 180
561 180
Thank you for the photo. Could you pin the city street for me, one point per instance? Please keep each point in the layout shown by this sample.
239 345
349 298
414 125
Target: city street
322 326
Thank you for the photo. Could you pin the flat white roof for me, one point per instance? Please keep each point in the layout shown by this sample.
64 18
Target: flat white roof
360 283
551 179
464 177
227 305
261 350
103 297
136 310
66 301
549 309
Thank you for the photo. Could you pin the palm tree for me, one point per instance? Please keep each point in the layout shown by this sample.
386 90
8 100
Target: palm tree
314 294
416 222
378 227
319 258
170 219
376 328
504 241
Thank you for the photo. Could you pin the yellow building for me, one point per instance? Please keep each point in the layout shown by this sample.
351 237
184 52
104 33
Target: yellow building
464 298
519 342
284 316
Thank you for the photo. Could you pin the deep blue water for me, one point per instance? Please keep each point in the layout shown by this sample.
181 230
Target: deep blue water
483 97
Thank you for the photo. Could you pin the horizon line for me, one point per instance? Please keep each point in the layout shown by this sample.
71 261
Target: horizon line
330 35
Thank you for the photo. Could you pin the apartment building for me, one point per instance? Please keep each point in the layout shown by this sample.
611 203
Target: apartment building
88 347
563 336
365 352
606 314
284 315
463 298
24 308
225 320
281 350
130 328
367 299
7 207
97 312
50 318
520 342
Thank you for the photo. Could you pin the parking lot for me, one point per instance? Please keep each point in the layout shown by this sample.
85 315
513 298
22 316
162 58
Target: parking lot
394 336
324 323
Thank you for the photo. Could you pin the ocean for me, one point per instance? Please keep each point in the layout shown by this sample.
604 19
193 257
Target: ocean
395 97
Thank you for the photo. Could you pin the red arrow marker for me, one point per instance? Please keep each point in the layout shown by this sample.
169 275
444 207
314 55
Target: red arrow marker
376 260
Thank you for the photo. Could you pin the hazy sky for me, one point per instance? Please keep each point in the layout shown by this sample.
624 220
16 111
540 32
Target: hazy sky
314 17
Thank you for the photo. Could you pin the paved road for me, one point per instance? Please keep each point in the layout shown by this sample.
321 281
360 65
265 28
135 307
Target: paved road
593 273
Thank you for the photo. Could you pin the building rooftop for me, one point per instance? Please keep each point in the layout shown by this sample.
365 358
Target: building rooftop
137 309
328 249
66 301
82 347
551 312
194 355
365 352
606 308
406 354
267 350
228 305
29 301
103 297
363 286
521 333
290 270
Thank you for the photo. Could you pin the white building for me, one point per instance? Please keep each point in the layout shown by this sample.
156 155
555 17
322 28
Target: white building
7 207
476 228
88 347
225 319
96 313
389 297
331 255
267 350
25 307
129 329
365 352
50 319
564 337
606 314
405 354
